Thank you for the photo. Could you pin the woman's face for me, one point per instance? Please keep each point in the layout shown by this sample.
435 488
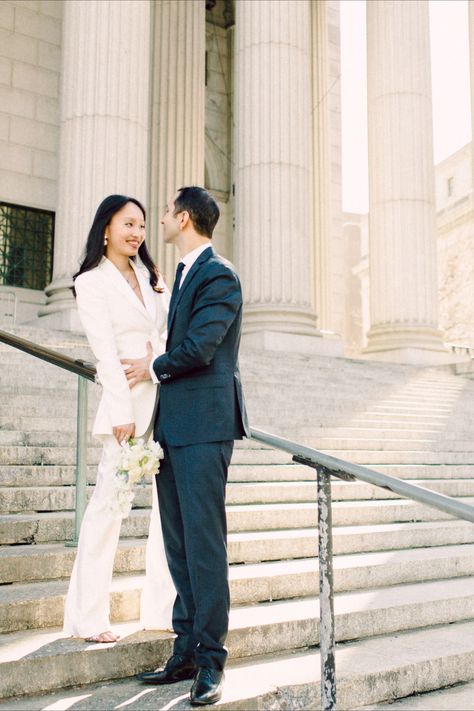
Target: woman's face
125 232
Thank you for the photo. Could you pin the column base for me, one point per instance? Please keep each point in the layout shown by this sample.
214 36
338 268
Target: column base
273 327
413 345
64 320
278 317
325 344
60 311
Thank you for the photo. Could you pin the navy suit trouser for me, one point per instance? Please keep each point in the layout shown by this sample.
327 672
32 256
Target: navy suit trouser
191 492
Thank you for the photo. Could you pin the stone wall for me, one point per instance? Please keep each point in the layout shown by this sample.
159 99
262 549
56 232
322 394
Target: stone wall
456 276
30 60
455 226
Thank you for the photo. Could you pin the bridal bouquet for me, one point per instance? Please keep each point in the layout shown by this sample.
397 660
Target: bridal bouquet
135 462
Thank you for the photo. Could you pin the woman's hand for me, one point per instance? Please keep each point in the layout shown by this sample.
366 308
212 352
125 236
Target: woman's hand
124 432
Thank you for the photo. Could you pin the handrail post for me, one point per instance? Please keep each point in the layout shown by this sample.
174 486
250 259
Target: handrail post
326 593
81 458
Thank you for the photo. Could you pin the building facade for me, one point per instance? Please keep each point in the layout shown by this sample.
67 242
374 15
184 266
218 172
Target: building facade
243 96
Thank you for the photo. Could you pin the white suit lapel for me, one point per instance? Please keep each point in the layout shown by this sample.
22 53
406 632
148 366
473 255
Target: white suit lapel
119 283
149 296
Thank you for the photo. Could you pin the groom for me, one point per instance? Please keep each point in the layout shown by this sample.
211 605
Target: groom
201 413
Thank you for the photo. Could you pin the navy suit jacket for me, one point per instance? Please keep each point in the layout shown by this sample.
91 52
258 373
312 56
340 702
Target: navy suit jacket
201 398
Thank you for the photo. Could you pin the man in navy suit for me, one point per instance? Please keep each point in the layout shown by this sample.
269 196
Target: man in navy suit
201 412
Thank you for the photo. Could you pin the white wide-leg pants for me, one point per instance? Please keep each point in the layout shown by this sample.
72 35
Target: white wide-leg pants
87 603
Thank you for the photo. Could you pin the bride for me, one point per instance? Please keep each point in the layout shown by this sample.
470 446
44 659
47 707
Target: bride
122 306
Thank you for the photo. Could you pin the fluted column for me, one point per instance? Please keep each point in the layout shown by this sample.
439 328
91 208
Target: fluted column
403 270
273 164
178 112
321 162
471 67
104 125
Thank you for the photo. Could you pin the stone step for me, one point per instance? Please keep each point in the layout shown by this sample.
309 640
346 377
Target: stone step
410 418
18 438
64 475
59 448
373 458
410 421
19 379
58 526
62 498
368 670
28 563
388 379
427 471
298 411
52 561
23 423
262 384
315 392
459 696
35 605
33 423
372 393
18 475
23 420
351 396
24 528
426 444
67 455
402 432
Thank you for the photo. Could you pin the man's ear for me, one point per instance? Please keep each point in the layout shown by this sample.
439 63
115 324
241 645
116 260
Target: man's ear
184 219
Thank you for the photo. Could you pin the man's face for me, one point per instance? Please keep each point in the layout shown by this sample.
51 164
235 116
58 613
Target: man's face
170 222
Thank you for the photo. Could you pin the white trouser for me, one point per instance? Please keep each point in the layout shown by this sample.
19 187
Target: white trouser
87 603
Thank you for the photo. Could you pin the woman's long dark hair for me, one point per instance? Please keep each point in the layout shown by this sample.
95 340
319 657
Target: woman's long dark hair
95 248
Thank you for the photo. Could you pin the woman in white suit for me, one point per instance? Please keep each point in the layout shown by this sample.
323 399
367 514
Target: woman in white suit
122 306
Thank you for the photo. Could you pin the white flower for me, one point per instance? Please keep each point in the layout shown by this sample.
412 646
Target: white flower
135 461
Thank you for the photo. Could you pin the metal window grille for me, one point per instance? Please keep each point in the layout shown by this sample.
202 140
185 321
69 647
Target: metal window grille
26 246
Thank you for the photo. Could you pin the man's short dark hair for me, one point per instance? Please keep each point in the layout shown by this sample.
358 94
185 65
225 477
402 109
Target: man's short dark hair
203 209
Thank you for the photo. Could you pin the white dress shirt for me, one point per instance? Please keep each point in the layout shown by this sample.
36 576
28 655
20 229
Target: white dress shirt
188 261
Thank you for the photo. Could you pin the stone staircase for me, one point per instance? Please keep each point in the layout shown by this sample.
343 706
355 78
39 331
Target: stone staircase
404 573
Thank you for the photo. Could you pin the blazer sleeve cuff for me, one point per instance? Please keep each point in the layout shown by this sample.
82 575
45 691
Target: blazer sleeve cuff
153 375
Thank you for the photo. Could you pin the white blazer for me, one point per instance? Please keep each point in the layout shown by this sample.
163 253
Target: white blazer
117 326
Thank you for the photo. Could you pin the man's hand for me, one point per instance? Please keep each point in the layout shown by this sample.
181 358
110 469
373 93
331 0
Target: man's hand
138 368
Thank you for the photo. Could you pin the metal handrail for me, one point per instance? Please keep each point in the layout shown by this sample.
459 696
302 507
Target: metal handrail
325 465
73 365
345 470
85 371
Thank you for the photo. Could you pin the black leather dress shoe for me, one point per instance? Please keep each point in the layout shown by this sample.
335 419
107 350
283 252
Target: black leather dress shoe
177 668
207 687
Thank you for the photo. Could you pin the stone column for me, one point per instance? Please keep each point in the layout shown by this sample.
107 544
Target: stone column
321 162
104 128
273 167
471 67
177 114
403 269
